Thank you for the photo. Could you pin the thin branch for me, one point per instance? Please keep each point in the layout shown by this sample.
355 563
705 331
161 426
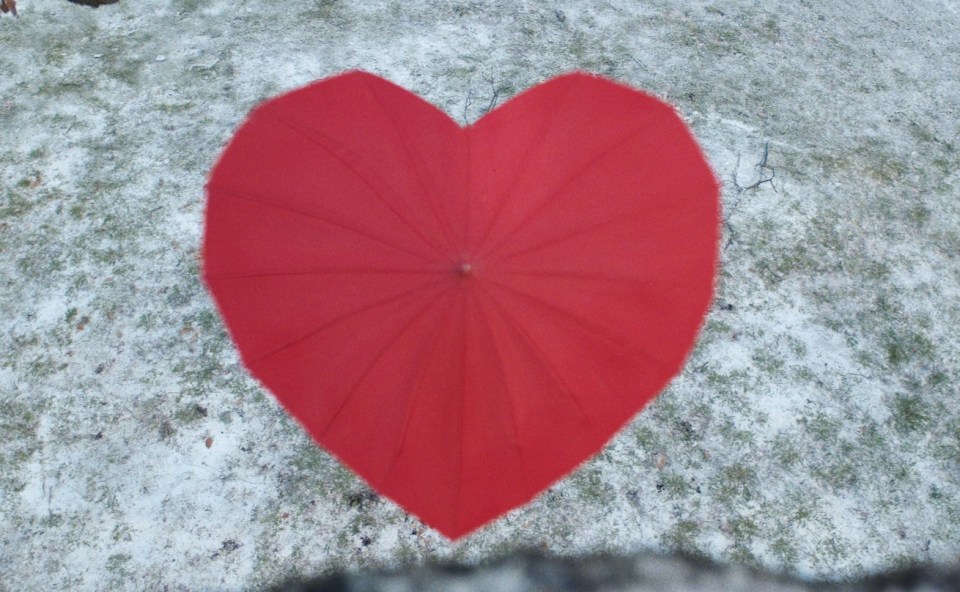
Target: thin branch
765 174
466 105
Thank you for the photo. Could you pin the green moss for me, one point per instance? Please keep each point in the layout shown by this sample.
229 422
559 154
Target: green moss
208 321
873 269
323 10
919 214
831 164
16 205
674 485
786 451
921 133
741 553
767 360
803 374
718 327
43 366
870 436
821 426
121 532
743 528
796 346
770 30
127 71
902 347
736 483
647 438
937 378
838 475
832 549
18 426
784 549
189 414
117 564
591 486
885 170
682 537
909 413
316 472
174 107
148 321
77 211
52 520
734 435
719 39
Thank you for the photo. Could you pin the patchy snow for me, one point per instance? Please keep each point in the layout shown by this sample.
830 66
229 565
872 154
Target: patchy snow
815 428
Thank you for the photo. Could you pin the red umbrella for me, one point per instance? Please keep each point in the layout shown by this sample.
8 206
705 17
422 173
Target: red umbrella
462 315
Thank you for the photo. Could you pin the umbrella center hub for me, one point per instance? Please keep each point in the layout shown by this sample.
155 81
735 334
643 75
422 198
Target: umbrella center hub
465 270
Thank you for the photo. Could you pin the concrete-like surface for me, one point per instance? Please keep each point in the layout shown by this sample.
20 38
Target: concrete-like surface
815 429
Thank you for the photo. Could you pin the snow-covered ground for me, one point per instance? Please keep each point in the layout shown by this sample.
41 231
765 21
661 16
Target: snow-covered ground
815 429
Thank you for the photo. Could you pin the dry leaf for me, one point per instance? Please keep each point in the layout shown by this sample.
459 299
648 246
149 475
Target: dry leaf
9 6
208 442
661 461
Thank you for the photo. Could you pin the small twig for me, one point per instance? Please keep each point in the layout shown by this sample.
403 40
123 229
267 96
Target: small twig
733 207
762 168
731 233
466 104
493 97
765 174
209 66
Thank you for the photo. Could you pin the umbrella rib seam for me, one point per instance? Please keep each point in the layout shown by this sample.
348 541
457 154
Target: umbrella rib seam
342 318
330 271
517 447
458 500
660 365
621 279
356 173
541 357
548 198
505 195
227 192
417 173
416 396
383 350
579 232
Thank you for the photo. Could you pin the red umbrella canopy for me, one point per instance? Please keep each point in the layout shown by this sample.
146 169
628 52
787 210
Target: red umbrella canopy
462 315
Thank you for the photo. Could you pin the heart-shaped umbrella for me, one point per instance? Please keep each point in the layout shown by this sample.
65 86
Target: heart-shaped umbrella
462 315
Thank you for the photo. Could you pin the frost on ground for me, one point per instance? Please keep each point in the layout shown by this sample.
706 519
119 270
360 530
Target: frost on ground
815 429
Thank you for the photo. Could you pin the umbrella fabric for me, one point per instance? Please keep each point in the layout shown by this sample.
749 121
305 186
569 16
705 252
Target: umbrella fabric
462 315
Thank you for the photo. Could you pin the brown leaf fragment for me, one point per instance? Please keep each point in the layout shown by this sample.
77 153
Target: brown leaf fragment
661 461
9 6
